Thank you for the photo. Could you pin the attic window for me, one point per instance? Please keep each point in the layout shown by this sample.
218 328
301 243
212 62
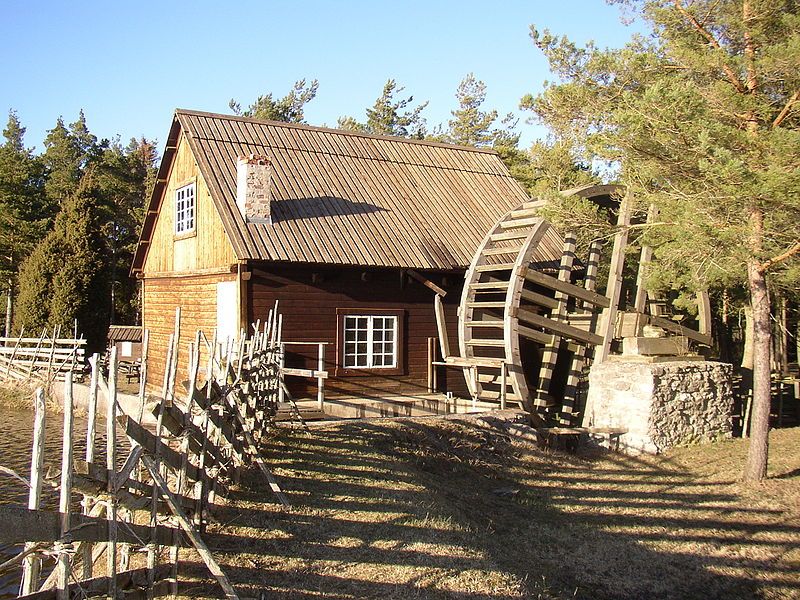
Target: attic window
184 209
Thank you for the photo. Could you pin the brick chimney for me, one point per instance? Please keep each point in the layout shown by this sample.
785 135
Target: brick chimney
253 181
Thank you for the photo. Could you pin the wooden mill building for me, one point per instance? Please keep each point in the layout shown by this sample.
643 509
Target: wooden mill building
351 233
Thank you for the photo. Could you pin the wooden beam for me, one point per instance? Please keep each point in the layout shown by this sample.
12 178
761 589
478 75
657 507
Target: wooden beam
305 373
680 330
614 286
21 524
427 282
560 328
131 581
536 336
539 299
441 326
645 257
568 288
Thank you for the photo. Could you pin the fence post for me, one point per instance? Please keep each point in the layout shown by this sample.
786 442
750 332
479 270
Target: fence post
66 490
320 379
111 468
91 430
30 577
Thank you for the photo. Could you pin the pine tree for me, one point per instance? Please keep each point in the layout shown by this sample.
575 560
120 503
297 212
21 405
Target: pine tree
21 201
63 162
290 108
125 177
701 120
390 116
66 276
470 126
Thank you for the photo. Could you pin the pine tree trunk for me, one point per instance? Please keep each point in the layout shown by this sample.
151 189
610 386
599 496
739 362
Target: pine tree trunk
9 300
755 469
747 351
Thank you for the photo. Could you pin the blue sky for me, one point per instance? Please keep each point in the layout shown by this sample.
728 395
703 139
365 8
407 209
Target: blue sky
129 65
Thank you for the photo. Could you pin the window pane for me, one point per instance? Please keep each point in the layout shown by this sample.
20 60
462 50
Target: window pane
369 341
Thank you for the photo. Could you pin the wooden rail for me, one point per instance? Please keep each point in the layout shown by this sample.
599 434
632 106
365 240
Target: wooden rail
46 357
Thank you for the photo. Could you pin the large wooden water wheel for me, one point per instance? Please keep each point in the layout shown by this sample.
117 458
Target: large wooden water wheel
516 312
529 323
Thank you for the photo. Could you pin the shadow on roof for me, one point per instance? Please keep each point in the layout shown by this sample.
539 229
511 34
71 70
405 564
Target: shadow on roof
325 206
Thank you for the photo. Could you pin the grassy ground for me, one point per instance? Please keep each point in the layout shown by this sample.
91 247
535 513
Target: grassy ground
449 509
16 395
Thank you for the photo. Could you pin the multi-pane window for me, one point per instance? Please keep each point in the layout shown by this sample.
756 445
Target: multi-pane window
184 209
370 341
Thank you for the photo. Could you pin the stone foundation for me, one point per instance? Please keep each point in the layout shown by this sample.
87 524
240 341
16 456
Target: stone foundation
661 405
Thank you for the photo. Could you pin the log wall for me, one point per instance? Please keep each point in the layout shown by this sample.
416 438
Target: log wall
197 297
309 297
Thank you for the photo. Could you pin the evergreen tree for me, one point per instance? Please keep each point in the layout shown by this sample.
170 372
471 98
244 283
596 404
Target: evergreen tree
67 154
125 178
470 126
290 108
66 276
702 120
390 116
21 200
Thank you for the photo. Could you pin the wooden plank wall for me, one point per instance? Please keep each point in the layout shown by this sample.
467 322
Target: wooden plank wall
209 247
308 299
197 297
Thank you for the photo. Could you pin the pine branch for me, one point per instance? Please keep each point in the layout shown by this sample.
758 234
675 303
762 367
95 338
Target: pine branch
710 11
786 109
766 265
749 50
732 77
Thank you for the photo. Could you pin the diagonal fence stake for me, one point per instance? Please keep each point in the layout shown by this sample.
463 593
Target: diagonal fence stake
255 454
191 532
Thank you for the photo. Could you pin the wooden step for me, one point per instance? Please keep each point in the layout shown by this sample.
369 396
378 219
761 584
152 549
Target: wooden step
508 235
489 285
502 250
492 378
486 343
475 361
534 204
492 395
518 223
489 323
486 304
495 267
524 213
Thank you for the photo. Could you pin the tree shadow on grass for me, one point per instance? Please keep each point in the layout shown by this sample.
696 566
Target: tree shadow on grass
444 509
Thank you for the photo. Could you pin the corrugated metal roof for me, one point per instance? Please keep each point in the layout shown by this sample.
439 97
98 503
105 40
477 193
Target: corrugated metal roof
125 333
346 198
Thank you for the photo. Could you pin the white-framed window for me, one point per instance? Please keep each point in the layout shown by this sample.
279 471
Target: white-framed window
370 342
184 209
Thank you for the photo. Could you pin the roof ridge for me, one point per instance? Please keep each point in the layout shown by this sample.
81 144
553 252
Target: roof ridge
347 132
417 163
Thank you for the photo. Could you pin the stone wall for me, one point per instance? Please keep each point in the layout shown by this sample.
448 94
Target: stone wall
662 404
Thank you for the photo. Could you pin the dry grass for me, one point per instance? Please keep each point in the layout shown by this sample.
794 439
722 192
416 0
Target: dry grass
448 509
17 395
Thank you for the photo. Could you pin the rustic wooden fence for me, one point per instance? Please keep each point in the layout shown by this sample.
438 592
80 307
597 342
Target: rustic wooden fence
159 496
47 357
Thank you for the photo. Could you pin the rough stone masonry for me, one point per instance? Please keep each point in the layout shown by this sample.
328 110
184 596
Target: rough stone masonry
662 404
